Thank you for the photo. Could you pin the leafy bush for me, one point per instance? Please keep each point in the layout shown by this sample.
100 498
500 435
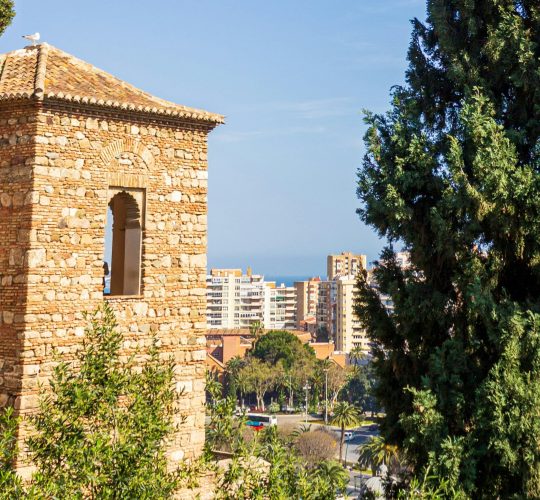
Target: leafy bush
10 483
101 429
273 407
316 446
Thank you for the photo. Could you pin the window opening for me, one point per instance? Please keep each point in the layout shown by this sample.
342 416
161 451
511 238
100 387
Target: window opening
123 243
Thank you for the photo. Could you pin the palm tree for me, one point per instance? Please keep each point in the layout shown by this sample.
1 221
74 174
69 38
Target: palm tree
345 415
357 354
333 474
376 452
256 329
298 431
232 370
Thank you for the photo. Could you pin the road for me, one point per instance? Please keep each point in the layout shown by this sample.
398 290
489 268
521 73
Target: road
360 436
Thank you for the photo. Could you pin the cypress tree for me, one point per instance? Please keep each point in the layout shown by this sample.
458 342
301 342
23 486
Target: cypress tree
452 174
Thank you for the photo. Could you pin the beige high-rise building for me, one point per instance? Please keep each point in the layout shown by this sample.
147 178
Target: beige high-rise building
345 264
307 296
326 307
349 331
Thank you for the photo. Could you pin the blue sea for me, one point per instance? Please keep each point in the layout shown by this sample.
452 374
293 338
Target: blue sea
288 280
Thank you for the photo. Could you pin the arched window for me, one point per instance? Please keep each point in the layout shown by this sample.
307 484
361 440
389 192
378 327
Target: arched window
123 242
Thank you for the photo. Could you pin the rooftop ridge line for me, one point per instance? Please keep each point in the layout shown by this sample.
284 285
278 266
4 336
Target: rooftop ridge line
41 69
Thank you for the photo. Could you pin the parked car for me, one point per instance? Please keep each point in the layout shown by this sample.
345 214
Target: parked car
349 435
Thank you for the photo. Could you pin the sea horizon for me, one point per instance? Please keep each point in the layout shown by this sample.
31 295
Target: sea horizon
289 280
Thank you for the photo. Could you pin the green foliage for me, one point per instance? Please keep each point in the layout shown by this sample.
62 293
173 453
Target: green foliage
451 173
302 372
224 432
268 466
256 329
345 415
258 377
10 483
377 452
288 478
360 387
273 407
333 475
214 388
278 363
232 383
7 13
281 346
336 378
430 486
100 431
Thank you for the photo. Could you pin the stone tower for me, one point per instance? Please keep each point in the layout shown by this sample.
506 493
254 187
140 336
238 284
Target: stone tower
80 151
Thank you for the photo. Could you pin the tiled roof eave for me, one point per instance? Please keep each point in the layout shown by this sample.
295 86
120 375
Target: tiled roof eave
179 113
16 95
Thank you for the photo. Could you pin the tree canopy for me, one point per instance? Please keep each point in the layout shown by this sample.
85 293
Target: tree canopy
452 175
281 346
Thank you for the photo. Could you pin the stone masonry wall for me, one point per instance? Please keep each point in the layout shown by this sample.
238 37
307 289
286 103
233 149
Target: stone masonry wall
17 127
79 154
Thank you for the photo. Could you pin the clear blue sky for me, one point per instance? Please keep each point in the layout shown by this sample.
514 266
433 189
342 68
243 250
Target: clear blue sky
291 76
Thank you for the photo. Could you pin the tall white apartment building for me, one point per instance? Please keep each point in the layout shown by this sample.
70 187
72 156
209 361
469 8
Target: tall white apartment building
349 332
281 314
237 300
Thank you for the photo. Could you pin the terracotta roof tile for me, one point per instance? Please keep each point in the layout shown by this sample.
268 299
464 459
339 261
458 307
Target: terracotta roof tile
45 72
18 73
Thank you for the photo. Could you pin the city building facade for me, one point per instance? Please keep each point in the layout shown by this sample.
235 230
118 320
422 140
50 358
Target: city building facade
307 297
345 264
237 300
326 309
349 333
281 314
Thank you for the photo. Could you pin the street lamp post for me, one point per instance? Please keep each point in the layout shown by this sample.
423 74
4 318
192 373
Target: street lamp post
326 396
306 388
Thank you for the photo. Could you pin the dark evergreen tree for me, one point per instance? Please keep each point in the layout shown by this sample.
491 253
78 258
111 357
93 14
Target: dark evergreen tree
452 174
7 13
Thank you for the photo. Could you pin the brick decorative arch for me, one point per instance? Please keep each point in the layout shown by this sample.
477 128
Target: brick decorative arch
127 145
